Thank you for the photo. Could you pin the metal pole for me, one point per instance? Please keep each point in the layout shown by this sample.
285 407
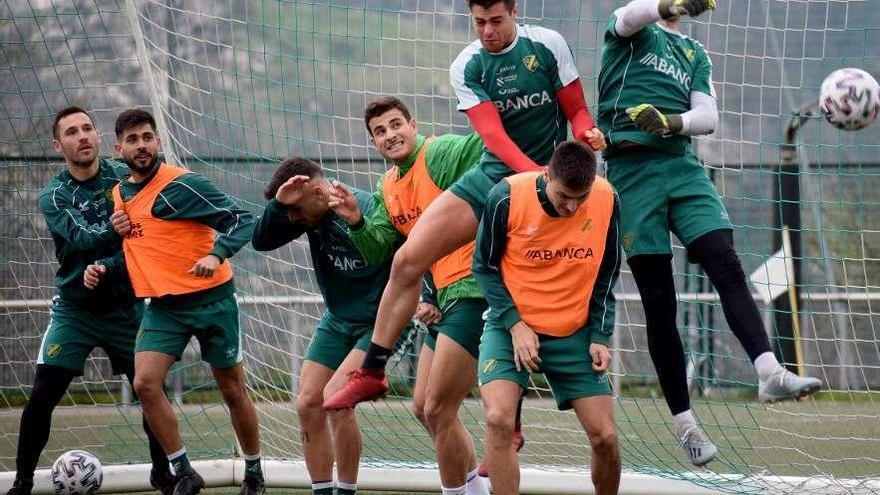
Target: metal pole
787 194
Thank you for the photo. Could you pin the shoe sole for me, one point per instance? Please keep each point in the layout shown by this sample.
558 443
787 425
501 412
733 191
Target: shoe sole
198 490
800 394
200 487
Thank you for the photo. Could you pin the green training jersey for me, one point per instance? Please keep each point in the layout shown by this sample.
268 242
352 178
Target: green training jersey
78 216
351 286
521 81
655 65
447 158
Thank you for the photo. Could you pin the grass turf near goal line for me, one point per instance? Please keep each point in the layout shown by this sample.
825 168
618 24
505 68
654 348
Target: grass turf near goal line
643 440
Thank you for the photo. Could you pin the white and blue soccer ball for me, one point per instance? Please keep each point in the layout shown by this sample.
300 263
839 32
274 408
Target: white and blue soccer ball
77 472
850 99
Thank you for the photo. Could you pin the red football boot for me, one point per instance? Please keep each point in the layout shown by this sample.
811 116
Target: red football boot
362 386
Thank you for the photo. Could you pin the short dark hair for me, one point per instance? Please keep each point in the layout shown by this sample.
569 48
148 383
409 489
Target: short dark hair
381 105
64 113
290 167
486 4
131 118
574 164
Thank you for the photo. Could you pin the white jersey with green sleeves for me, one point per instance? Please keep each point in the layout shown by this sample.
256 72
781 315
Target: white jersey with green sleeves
655 65
521 81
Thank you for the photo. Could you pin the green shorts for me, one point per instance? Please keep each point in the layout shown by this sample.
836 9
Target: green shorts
215 325
474 187
462 322
73 332
565 362
334 339
662 193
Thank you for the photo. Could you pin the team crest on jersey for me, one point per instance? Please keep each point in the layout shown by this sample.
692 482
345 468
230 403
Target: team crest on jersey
690 54
628 241
53 350
488 366
587 225
531 62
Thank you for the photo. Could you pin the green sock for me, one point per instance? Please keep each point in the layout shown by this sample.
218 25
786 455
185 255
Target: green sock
180 463
346 488
322 488
252 467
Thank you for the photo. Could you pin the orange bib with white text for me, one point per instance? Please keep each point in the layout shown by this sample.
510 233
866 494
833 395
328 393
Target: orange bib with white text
406 198
159 253
550 264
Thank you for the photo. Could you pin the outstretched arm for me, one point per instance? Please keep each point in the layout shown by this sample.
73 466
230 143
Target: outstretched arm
372 231
636 15
274 229
194 197
486 120
583 127
466 76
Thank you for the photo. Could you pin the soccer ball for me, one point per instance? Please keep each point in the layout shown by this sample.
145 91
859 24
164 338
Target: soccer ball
77 472
850 99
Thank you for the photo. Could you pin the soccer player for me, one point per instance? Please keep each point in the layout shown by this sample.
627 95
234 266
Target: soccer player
299 195
517 85
178 232
77 208
655 92
422 169
547 259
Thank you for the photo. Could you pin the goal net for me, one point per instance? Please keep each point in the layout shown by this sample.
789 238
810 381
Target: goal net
239 85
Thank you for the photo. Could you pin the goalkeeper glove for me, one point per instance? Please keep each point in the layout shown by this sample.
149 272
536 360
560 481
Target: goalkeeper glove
676 8
649 119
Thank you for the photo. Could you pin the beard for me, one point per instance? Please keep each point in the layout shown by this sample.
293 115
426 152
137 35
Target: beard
142 169
82 163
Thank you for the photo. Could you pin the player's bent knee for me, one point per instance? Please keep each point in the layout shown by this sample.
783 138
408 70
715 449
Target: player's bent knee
604 440
147 389
308 404
40 402
418 410
233 392
438 415
406 268
499 423
731 268
41 395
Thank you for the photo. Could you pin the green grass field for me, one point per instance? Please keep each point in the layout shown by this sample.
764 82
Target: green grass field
275 491
808 438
